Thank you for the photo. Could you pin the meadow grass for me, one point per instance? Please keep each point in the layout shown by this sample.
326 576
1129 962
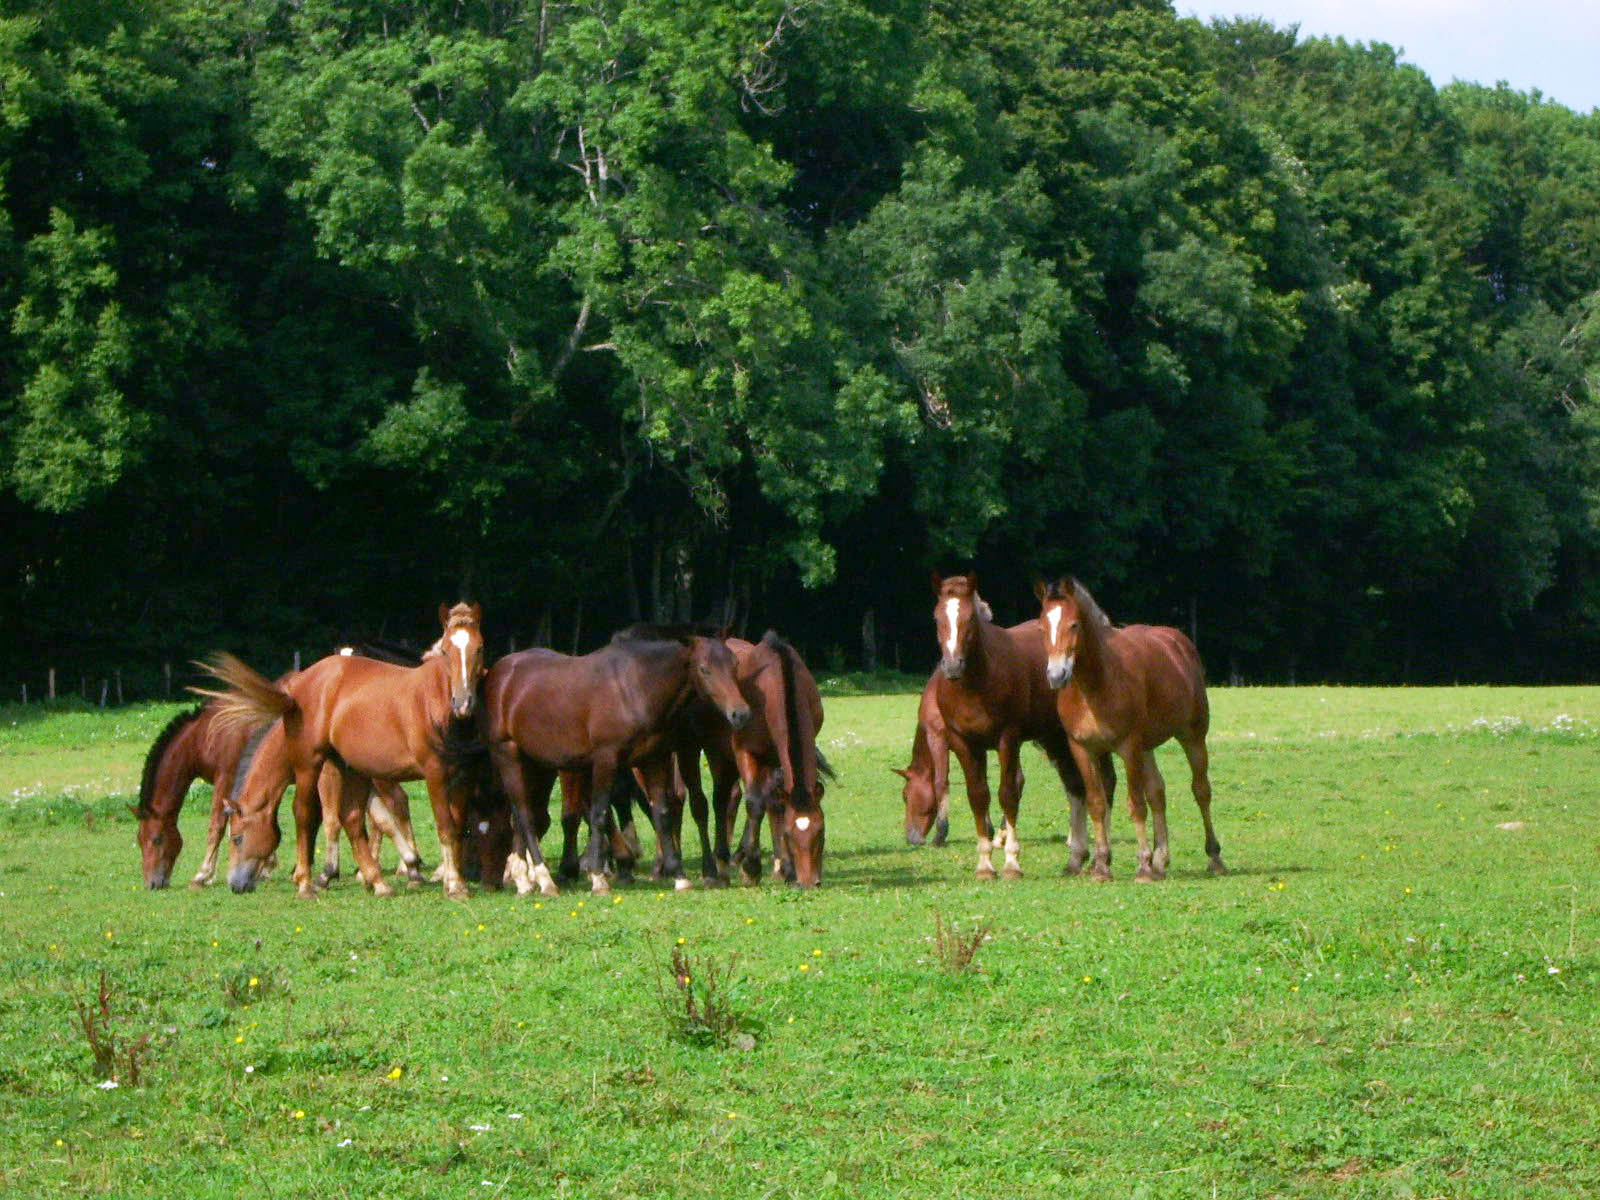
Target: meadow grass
1394 993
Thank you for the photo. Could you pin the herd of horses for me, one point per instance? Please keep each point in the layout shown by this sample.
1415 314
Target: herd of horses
629 724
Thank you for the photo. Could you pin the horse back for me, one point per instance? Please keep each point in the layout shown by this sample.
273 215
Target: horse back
1173 677
375 715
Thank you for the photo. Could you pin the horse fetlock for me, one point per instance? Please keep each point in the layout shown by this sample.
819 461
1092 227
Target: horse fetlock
599 885
986 871
381 887
1011 871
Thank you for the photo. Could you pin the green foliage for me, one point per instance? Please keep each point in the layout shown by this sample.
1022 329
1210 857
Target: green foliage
764 307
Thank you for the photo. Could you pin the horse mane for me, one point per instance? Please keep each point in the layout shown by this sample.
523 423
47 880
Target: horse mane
668 631
395 653
462 748
152 760
797 719
247 758
1070 589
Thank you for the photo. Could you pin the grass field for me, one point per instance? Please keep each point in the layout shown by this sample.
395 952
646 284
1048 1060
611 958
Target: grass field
1396 992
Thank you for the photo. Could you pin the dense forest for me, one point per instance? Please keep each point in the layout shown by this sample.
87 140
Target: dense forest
320 312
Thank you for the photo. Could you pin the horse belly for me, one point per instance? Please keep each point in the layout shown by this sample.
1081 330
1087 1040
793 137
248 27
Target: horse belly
372 743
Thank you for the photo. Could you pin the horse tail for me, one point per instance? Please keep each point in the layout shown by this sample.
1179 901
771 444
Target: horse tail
249 698
158 751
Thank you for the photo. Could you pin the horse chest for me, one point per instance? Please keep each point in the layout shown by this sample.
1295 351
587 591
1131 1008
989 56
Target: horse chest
1091 722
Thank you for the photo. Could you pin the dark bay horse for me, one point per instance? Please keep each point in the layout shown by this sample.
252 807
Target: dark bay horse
194 745
373 720
1128 690
593 716
992 695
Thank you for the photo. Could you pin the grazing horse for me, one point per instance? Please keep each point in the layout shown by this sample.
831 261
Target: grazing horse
592 716
373 720
194 745
927 776
991 693
1128 690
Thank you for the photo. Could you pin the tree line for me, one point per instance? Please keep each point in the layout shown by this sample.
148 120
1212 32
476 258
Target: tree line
319 313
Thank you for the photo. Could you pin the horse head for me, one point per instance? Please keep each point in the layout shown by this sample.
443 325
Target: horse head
712 668
956 614
252 821
921 801
1064 606
462 648
801 836
159 845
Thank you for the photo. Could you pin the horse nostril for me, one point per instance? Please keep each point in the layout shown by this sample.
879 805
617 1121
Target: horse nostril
913 837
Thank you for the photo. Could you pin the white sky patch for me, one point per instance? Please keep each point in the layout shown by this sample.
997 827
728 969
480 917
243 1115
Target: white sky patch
1550 45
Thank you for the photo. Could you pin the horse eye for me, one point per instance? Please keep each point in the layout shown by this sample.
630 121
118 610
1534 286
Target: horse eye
238 839
156 841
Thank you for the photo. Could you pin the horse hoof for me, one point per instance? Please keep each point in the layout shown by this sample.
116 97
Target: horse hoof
1072 869
986 873
1145 875
1216 867
413 885
713 881
599 885
197 883
306 892
681 884
1012 871
457 891
1100 875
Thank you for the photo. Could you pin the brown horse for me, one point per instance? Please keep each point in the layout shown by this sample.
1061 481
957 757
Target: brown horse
593 716
991 693
927 776
1128 690
194 745
374 720
774 758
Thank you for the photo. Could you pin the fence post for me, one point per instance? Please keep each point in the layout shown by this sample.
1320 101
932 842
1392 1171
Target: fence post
297 660
50 694
166 675
105 686
118 674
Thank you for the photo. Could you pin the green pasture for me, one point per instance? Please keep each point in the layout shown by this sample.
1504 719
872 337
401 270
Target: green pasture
1396 992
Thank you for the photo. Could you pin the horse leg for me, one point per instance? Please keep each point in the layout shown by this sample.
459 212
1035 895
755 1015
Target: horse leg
391 812
307 817
975 766
656 779
449 814
1010 799
603 770
354 792
214 831
523 783
1200 783
724 808
574 804
331 821
1072 783
1096 798
748 857
1143 777
700 809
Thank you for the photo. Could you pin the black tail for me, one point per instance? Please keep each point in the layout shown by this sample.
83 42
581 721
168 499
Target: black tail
158 749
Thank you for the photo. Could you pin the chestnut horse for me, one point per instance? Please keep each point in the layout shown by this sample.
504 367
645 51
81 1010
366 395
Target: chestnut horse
194 745
927 776
774 758
1128 690
593 716
374 720
991 693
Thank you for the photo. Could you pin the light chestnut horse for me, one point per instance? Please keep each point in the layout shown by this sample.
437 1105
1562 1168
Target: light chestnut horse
1128 690
374 720
194 745
991 694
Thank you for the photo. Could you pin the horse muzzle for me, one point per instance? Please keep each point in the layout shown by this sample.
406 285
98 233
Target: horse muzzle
158 879
462 707
1058 672
738 717
243 877
953 668
915 836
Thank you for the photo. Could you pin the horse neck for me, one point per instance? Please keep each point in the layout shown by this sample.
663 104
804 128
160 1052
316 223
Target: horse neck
654 679
1096 667
178 764
795 739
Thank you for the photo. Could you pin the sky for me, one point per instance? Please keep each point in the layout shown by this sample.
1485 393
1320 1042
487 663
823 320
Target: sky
1551 45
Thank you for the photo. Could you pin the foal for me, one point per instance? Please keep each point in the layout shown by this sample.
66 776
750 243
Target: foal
1128 690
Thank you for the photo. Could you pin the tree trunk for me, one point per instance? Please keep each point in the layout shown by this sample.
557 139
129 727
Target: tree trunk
869 641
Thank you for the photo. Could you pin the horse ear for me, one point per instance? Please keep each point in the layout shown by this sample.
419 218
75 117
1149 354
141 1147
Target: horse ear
134 809
972 581
1041 589
901 771
444 614
477 614
938 581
